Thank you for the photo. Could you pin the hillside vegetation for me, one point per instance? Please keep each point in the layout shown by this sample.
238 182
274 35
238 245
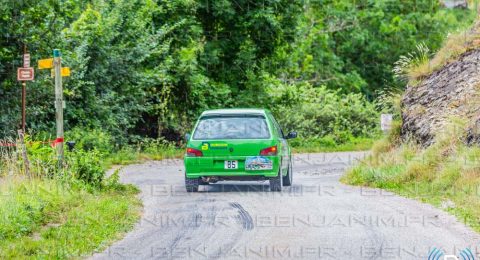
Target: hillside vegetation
433 155
147 68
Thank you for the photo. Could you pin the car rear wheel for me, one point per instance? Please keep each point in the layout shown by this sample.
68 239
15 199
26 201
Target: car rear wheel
287 180
276 182
192 184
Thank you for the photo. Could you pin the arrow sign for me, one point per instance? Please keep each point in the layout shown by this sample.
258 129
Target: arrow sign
45 63
65 72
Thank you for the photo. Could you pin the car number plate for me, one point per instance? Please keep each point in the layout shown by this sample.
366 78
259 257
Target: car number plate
231 165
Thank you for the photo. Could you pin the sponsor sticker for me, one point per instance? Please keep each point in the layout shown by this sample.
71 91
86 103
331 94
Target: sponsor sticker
218 146
205 146
258 163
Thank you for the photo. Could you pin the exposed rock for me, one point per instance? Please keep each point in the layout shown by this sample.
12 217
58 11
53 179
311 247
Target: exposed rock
453 90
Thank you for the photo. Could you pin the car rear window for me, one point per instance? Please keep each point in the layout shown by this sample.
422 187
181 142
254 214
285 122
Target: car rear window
232 127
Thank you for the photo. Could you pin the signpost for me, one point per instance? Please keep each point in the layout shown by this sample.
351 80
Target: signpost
25 74
57 63
58 73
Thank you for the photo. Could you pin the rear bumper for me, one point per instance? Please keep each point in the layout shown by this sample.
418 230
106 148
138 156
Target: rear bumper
196 167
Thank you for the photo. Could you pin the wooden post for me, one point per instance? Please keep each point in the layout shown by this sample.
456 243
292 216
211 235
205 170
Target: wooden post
24 91
24 102
23 148
57 62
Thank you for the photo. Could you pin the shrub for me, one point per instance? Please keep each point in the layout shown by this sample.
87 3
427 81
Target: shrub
90 139
42 157
320 112
43 163
86 166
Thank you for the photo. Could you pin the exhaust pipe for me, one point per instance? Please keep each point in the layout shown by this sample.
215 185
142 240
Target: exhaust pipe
210 179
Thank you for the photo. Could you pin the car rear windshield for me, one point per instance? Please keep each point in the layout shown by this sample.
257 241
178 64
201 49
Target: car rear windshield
232 127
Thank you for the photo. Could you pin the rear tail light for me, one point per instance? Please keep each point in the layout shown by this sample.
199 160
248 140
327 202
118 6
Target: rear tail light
194 152
272 150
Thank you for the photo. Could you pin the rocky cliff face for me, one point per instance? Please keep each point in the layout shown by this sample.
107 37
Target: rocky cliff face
453 91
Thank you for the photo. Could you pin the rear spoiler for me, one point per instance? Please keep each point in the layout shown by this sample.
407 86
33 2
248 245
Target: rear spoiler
233 115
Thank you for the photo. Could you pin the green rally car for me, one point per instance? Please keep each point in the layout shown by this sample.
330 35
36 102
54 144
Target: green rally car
238 144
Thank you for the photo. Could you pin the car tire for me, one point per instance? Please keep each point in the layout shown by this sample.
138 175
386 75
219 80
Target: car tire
287 180
276 182
191 185
201 182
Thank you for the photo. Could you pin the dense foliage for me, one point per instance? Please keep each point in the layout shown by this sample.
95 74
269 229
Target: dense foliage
149 67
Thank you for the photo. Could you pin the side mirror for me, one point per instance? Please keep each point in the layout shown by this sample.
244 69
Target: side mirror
187 137
291 135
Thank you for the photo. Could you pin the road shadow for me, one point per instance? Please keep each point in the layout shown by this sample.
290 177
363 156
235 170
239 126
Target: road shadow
228 187
259 187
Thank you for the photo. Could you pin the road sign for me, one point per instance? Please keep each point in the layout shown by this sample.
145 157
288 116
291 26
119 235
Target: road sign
26 60
45 64
65 71
386 122
25 74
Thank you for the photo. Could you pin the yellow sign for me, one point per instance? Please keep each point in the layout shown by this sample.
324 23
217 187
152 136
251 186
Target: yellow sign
65 72
45 63
205 146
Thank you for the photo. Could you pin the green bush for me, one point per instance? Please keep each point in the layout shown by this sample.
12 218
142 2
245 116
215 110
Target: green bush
318 113
79 164
91 139
86 166
42 157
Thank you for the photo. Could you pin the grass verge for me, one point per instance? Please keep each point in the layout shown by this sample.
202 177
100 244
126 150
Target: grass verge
44 218
129 155
327 144
446 174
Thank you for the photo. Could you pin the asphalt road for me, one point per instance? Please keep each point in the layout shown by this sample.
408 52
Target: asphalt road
316 218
